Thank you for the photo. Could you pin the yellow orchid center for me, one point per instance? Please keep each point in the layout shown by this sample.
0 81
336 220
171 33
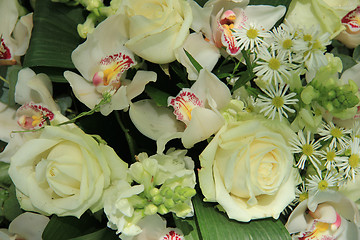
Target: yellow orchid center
111 69
183 104
32 116
352 21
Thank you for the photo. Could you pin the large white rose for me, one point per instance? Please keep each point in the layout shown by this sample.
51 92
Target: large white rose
247 169
155 28
64 171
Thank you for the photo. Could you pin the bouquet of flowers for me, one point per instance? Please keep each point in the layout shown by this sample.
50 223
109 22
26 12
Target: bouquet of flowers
179 119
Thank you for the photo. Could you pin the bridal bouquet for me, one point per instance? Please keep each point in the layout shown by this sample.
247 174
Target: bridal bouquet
179 119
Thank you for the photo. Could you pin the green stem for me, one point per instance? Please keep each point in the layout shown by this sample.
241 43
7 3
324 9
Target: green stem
128 137
2 78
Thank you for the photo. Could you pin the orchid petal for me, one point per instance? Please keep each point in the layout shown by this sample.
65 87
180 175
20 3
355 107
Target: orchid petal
352 74
36 88
264 15
98 44
22 34
8 122
137 85
204 122
226 4
29 225
8 17
201 18
205 53
208 85
83 90
154 121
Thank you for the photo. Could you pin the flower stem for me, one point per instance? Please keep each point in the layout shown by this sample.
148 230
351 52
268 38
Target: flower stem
128 137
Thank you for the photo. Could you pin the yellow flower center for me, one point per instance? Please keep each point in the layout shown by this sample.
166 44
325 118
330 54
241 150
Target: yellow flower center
330 156
323 185
307 37
252 33
274 64
317 46
277 102
308 149
354 160
336 132
287 44
303 196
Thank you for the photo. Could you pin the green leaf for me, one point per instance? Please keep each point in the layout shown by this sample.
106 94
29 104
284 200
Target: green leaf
11 205
5 180
102 234
195 63
12 77
60 228
54 35
347 61
188 227
285 3
356 54
157 95
215 225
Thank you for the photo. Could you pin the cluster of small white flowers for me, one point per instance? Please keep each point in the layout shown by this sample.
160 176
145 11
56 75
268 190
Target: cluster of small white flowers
335 156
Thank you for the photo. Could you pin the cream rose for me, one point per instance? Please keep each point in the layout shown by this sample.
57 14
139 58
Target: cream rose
247 169
155 28
64 171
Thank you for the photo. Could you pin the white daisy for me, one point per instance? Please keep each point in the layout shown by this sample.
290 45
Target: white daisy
316 183
331 157
276 101
355 130
272 66
338 136
314 56
250 36
301 193
307 148
284 40
350 166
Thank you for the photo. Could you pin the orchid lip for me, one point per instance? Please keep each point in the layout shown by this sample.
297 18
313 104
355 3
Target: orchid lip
32 116
352 20
111 69
183 104
5 54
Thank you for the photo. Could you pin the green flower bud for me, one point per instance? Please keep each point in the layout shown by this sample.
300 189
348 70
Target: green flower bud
137 202
162 209
157 200
154 191
167 192
150 209
189 192
169 203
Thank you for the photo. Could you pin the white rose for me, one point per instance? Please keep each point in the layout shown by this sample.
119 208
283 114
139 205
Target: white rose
247 169
155 28
64 171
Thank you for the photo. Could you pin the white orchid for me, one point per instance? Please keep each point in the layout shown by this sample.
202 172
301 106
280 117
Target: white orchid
34 92
214 26
102 63
196 113
29 226
14 32
328 215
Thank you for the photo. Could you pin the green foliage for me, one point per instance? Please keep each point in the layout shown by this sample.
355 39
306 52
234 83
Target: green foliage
215 225
54 37
61 228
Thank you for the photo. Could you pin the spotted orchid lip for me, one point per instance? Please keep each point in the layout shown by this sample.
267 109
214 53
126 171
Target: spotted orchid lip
111 69
226 24
33 116
352 20
5 54
172 235
183 104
